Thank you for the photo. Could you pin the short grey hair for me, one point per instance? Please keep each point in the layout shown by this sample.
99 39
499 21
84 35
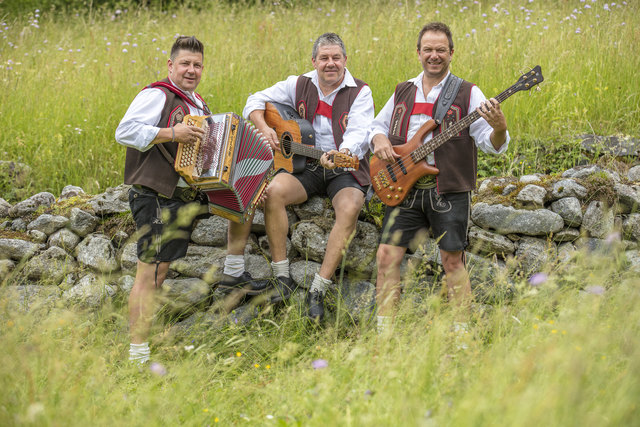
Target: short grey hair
328 39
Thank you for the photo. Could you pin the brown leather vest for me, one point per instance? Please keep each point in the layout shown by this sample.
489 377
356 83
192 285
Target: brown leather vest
150 168
456 158
307 102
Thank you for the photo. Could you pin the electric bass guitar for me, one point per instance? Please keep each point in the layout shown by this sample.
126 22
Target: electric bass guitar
392 181
297 140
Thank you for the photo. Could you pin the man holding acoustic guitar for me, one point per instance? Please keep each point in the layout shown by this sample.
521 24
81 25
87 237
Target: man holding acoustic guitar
340 110
441 199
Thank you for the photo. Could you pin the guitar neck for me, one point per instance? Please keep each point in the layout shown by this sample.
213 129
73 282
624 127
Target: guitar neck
305 150
431 145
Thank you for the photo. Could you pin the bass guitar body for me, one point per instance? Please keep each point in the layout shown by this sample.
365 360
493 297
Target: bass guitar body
393 181
291 129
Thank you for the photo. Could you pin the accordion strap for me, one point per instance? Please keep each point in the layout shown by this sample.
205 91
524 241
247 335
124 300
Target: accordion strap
166 154
182 96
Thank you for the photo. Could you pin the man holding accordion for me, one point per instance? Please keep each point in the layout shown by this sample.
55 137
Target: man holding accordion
163 205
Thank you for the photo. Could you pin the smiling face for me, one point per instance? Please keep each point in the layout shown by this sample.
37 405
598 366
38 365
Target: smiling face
330 62
435 54
185 70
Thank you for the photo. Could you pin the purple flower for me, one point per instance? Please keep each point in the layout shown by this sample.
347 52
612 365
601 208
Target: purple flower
157 369
319 364
595 290
538 279
612 238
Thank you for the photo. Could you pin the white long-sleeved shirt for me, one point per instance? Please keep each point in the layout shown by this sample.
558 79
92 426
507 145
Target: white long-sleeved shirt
479 130
139 126
360 115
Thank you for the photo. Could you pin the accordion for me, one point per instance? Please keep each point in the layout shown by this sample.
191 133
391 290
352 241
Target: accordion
232 164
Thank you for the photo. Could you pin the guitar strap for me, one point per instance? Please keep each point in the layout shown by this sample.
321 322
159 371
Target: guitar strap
445 100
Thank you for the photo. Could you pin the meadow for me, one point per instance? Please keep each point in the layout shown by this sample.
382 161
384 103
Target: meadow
67 80
560 351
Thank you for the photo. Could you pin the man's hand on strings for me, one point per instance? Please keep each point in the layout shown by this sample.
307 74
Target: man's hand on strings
383 148
271 136
491 112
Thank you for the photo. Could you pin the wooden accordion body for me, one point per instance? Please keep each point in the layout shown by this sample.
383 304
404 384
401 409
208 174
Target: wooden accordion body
232 164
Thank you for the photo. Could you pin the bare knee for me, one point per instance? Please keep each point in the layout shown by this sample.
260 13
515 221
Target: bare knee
452 261
388 257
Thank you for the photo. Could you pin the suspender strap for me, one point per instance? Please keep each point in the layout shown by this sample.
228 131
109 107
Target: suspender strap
448 94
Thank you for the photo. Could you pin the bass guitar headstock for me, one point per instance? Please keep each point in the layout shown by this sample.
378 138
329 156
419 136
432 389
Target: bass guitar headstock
342 160
528 79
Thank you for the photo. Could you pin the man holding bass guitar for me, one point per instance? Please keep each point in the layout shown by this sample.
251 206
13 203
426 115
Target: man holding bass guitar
441 202
340 109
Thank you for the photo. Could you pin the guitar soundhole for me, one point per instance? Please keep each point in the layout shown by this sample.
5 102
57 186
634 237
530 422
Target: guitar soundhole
285 145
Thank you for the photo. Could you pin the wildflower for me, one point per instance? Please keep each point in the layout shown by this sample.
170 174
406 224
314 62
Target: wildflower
538 279
33 411
554 331
535 326
595 290
157 369
188 347
257 365
319 364
238 354
612 237
268 367
205 410
216 419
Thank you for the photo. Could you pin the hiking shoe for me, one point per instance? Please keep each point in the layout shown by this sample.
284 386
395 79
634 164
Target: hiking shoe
244 283
315 301
283 288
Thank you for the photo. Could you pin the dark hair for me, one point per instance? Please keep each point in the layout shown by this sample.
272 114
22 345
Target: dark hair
325 40
190 43
436 27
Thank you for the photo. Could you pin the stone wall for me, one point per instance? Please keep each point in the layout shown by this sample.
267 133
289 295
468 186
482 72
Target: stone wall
80 249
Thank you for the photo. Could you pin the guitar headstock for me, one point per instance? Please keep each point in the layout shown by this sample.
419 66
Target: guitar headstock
342 160
529 79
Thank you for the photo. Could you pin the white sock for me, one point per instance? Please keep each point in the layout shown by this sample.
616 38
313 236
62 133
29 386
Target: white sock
319 284
234 265
139 353
281 268
384 324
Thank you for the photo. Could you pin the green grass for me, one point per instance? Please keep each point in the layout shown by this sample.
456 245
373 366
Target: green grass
562 353
67 82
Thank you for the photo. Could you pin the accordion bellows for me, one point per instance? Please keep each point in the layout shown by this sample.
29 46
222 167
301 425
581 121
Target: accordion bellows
231 164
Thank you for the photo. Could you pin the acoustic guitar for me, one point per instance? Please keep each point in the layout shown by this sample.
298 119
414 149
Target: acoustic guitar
392 180
297 140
